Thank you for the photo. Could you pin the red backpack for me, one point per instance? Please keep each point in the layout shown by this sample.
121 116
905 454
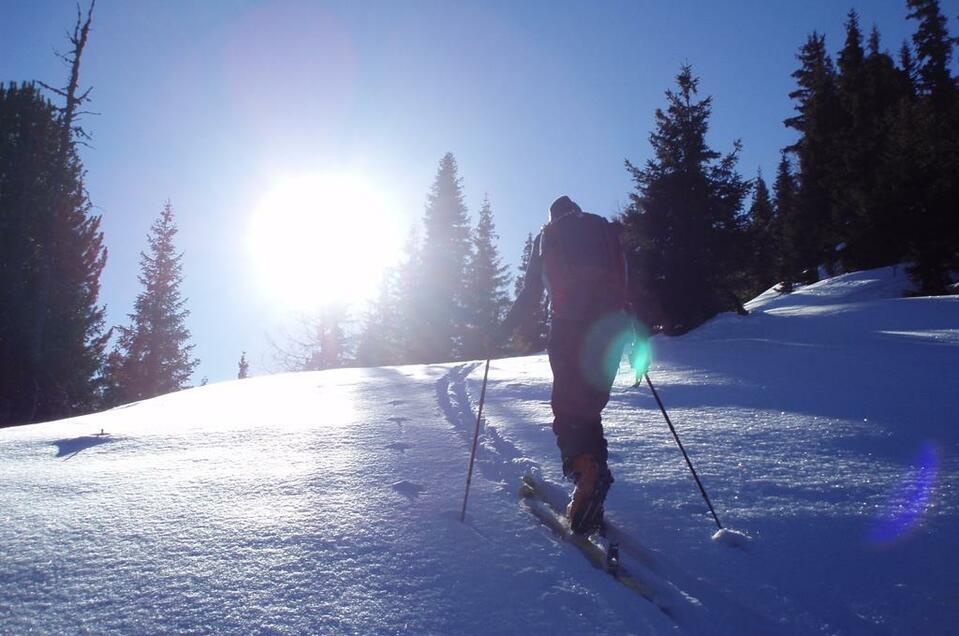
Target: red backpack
584 266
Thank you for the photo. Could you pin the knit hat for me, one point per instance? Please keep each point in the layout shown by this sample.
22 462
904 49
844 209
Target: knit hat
563 206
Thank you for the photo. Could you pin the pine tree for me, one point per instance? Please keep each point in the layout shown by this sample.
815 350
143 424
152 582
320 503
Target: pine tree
784 202
877 234
388 327
154 355
934 52
850 179
51 253
487 279
244 367
51 257
869 89
684 227
374 345
763 237
934 240
814 232
439 298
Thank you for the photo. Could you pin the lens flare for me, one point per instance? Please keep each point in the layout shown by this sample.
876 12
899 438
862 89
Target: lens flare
905 509
641 351
603 347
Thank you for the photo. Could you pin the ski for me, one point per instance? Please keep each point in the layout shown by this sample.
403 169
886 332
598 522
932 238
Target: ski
603 557
556 498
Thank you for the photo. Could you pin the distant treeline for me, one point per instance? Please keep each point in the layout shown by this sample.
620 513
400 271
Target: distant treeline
872 180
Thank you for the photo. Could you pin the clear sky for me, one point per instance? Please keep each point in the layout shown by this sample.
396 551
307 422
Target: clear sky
211 104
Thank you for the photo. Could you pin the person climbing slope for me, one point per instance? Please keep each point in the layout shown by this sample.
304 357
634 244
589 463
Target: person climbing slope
578 257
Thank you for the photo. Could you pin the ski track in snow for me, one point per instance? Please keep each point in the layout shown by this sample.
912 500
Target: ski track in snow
680 594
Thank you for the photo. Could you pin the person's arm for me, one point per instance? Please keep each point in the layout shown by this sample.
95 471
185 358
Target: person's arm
531 296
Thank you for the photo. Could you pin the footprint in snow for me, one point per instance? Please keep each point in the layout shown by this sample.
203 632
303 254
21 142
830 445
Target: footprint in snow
396 402
408 489
399 446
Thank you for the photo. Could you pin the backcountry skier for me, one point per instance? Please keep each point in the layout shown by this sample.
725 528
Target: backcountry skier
579 258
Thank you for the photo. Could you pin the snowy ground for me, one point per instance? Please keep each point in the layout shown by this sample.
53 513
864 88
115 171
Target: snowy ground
823 425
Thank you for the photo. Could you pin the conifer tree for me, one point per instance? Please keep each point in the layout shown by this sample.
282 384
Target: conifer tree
684 226
486 298
385 336
850 179
244 367
51 257
763 237
876 236
374 346
933 51
784 202
870 89
818 121
441 276
51 253
154 355
934 242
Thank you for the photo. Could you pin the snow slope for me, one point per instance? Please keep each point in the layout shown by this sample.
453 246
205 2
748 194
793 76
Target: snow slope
823 425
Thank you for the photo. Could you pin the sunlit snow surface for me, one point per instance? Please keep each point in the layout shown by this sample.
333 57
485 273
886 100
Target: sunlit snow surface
823 425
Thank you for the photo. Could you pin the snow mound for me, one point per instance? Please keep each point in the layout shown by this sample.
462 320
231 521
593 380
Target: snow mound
867 285
732 538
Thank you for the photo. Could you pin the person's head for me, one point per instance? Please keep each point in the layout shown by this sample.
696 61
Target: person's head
563 206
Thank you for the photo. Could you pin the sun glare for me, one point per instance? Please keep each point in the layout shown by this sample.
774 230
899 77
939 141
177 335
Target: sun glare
322 239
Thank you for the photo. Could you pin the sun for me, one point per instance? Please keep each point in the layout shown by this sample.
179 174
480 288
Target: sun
322 239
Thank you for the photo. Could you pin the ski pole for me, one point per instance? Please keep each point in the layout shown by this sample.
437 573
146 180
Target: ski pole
680 444
479 416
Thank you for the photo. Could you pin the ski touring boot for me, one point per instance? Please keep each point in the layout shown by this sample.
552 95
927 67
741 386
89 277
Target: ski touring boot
585 510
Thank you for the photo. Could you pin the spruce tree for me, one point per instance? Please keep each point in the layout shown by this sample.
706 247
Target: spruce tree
877 236
51 256
850 181
684 226
933 46
244 367
486 299
763 237
387 330
154 355
934 240
870 88
784 202
51 253
439 314
818 121
373 343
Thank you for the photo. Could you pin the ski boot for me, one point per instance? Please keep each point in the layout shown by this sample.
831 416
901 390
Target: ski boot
585 510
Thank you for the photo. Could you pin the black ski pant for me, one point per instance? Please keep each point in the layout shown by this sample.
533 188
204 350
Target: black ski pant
584 357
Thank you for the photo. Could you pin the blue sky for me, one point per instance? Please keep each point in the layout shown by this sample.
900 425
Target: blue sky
208 104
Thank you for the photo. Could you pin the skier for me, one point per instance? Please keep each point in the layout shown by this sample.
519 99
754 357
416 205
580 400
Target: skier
579 259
